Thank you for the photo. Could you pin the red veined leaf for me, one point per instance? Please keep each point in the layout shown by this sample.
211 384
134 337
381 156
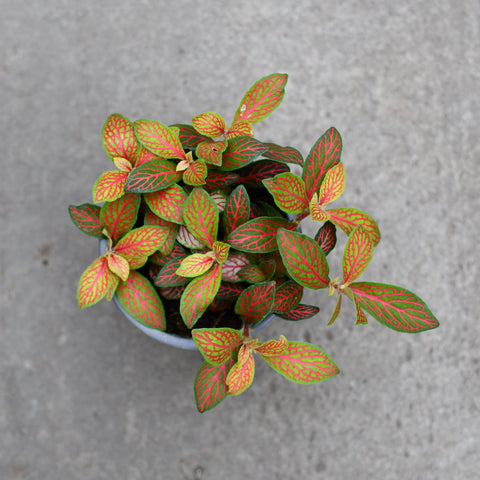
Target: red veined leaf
237 209
336 312
211 151
136 263
153 271
252 274
200 214
141 242
171 235
109 186
119 138
300 312
217 179
288 192
199 294
144 156
167 203
272 347
303 259
302 362
123 164
357 255
94 283
196 173
172 293
257 235
209 124
348 219
138 297
239 129
113 282
159 139
210 385
185 238
241 374
232 265
229 290
333 184
394 307
220 199
168 277
152 176
188 136
268 267
220 251
216 344
195 265
324 155
252 175
361 317
262 98
118 265
287 296
87 218
317 212
326 237
283 154
255 303
119 216
240 151
161 259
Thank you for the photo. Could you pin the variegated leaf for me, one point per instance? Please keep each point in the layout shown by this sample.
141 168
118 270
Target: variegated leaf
109 186
119 216
216 179
253 175
171 228
272 347
288 192
167 203
229 290
287 296
172 293
241 374
220 199
357 255
283 154
168 277
326 237
152 176
348 219
252 274
209 124
141 242
255 303
216 344
185 238
118 265
159 139
144 156
211 151
336 312
232 265
188 136
240 152
220 251
87 218
239 129
300 312
237 210
119 138
195 265
333 184
94 283
196 173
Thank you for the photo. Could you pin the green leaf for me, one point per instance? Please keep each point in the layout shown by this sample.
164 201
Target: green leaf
199 294
303 259
262 98
200 214
119 138
357 255
216 344
252 274
159 139
303 363
94 283
87 218
188 136
394 307
152 176
211 151
288 192
237 210
255 303
240 151
109 186
141 300
168 203
167 247
168 277
119 216
283 154
348 219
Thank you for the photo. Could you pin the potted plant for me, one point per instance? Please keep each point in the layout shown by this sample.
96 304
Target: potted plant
200 239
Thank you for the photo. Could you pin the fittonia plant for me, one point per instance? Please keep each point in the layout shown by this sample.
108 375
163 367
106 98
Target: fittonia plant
202 224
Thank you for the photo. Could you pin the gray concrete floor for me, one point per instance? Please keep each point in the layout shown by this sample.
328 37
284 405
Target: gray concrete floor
84 395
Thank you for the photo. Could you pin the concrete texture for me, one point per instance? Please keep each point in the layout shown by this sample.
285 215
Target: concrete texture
84 395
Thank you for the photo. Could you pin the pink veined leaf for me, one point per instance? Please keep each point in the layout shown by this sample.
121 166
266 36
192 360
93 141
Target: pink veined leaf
241 374
272 347
241 151
196 173
288 192
136 263
86 217
326 237
210 385
152 176
324 155
211 151
159 139
199 294
167 203
216 344
188 136
220 251
283 154
302 362
229 290
144 156
232 265
109 186
255 303
195 265
119 138
168 277
239 129
123 164
336 312
220 199
268 266
300 312
200 215
357 255
119 216
287 296
94 283
262 98
217 179
118 265
172 293
141 242
333 184
252 274
113 282
185 238
361 317
209 124
172 228
394 307
237 209
303 259
257 235
253 175
348 219
140 299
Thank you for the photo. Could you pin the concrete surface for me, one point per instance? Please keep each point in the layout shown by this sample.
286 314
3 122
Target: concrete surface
84 395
